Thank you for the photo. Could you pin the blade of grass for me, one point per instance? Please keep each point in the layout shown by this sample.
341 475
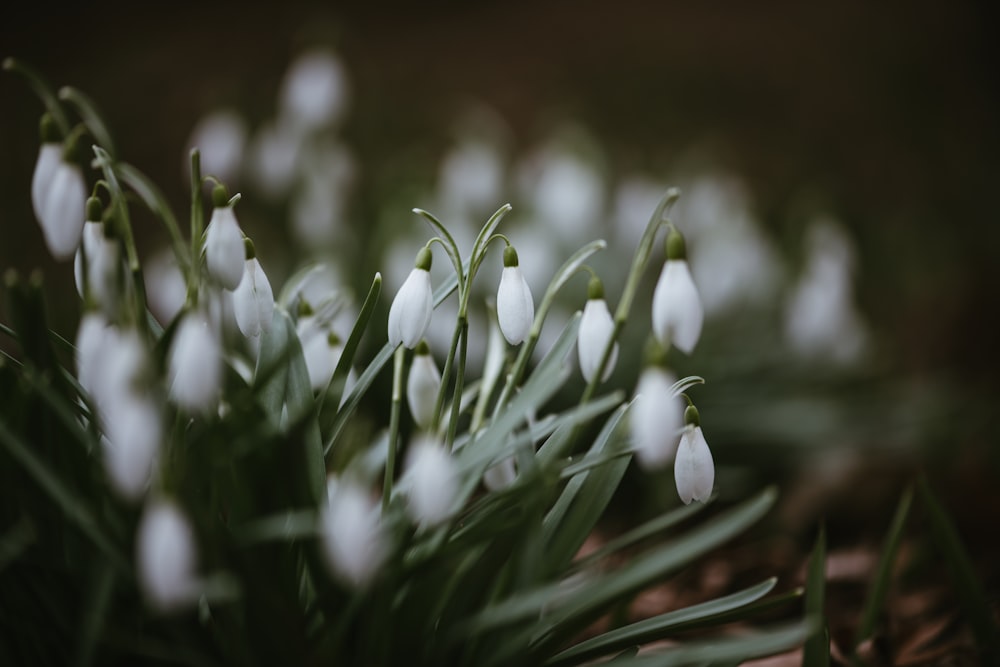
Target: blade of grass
883 573
816 652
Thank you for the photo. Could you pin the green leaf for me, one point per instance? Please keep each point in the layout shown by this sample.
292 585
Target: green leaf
660 626
883 573
967 585
153 197
102 586
283 527
90 116
43 90
816 652
584 606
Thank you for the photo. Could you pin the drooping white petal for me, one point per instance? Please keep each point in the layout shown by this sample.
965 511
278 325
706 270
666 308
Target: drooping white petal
253 300
165 286
224 250
410 313
166 557
314 92
195 364
422 388
430 482
500 475
694 469
49 157
133 429
221 137
515 307
657 415
596 327
103 258
121 361
677 311
63 209
89 339
352 532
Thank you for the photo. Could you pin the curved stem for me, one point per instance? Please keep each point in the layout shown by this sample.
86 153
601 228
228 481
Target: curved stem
445 378
456 399
197 222
398 381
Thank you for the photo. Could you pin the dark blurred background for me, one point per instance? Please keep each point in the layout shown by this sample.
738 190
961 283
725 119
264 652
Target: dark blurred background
881 117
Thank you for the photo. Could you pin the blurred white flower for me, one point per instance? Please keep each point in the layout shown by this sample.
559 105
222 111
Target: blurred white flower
820 316
61 204
102 255
568 192
694 469
253 300
274 158
430 482
224 251
596 327
351 531
315 91
166 557
422 386
657 416
636 198
220 138
500 475
90 338
322 349
411 309
49 158
165 286
133 429
515 307
471 177
194 365
677 312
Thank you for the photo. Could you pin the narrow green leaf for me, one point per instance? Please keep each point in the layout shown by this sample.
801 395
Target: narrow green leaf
816 652
43 90
92 625
76 510
883 573
967 584
156 202
581 608
658 627
90 115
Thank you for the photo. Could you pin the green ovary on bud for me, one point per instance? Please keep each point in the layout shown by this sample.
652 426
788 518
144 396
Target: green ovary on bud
675 245
220 196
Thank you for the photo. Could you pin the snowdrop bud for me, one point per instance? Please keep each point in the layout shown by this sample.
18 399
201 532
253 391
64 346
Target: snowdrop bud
677 311
422 386
165 556
253 300
500 475
410 313
133 427
657 415
195 364
694 469
59 194
515 307
596 328
351 532
224 253
102 256
314 91
430 485
49 157
89 339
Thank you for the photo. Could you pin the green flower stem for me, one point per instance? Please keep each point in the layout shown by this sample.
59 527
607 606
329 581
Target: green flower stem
91 117
43 90
197 224
456 399
398 382
157 203
445 377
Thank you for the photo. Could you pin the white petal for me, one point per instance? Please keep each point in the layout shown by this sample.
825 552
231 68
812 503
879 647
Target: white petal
63 209
500 475
410 313
253 300
657 415
515 307
677 311
352 534
133 428
165 556
596 327
694 469
431 484
103 260
224 250
314 91
89 338
195 365
422 388
49 157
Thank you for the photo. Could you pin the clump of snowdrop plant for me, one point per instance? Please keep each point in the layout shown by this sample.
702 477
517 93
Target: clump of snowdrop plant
183 495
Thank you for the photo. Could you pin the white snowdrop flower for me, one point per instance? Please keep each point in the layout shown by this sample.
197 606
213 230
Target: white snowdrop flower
166 557
224 253
677 311
253 300
102 256
274 158
121 362
422 386
471 176
194 364
596 328
220 138
410 313
500 475
49 157
314 92
568 192
322 349
90 337
431 483
166 290
694 469
351 531
62 208
657 416
133 428
515 307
